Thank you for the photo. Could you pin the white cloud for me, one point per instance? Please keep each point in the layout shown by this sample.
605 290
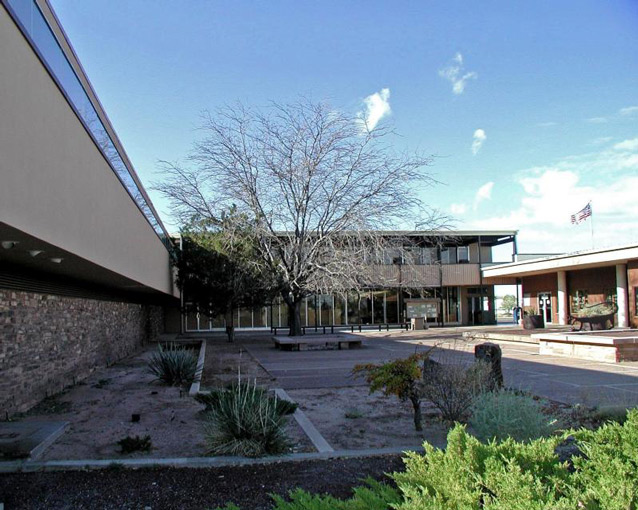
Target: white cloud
458 208
627 145
549 195
597 120
377 106
483 193
479 138
456 74
546 124
629 110
601 140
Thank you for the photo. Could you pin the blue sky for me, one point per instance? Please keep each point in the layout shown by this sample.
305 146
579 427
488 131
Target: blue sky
531 108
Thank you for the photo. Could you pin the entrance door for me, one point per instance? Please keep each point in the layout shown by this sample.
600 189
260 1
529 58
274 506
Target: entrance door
545 306
474 308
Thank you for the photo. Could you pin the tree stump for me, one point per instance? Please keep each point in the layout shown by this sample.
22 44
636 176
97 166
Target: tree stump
491 353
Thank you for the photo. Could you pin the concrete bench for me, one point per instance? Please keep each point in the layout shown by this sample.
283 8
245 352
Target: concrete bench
330 328
306 342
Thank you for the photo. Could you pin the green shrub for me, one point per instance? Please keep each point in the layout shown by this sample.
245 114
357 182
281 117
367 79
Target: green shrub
606 476
212 399
400 377
374 496
507 475
244 420
174 365
501 414
135 444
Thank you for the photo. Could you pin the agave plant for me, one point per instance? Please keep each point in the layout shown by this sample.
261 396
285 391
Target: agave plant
174 365
244 420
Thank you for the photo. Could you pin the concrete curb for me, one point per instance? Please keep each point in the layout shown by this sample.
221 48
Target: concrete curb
194 389
27 466
304 422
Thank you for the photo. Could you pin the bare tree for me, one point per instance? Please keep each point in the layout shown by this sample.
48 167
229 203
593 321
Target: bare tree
317 185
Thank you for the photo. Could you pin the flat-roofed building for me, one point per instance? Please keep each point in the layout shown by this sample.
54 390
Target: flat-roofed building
557 286
432 274
84 257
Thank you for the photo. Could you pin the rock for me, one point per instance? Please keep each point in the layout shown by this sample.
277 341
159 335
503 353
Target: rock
491 353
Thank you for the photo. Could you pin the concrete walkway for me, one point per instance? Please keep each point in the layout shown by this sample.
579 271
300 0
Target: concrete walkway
562 379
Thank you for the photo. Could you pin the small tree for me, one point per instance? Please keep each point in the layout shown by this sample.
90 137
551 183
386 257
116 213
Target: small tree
400 378
217 269
508 303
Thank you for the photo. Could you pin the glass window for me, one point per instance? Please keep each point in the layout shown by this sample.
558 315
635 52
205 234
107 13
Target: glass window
283 314
353 308
452 301
392 306
463 254
313 317
448 256
339 310
260 317
365 308
245 318
325 302
378 303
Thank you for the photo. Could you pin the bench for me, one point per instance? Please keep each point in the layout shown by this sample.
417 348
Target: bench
304 343
330 329
598 316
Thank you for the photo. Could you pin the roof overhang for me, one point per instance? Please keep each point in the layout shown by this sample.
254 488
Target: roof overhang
567 262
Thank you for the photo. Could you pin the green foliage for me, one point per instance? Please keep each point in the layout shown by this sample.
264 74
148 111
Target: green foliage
218 267
507 475
400 377
174 365
606 476
453 386
473 475
353 414
374 496
508 302
244 420
212 399
502 414
135 444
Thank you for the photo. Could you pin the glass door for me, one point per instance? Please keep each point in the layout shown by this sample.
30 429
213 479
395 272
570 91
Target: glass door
545 306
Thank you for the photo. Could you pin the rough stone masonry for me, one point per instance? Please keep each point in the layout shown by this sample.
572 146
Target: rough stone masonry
49 342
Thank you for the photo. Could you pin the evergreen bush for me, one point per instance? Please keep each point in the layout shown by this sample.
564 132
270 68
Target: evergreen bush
506 475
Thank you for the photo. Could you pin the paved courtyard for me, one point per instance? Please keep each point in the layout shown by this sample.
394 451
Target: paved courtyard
562 379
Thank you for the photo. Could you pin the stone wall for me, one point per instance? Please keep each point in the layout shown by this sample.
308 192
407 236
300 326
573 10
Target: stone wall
49 342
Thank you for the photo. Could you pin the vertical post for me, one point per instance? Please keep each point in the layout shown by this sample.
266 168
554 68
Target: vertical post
561 277
621 295
480 280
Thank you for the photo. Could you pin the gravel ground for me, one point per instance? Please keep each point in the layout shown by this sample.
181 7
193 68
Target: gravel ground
187 489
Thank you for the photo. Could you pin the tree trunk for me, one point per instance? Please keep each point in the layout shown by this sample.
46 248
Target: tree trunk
230 323
416 405
294 317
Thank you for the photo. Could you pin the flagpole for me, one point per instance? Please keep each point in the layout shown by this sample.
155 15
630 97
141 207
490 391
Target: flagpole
591 226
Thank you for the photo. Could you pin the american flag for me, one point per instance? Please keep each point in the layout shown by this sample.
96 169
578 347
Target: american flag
581 215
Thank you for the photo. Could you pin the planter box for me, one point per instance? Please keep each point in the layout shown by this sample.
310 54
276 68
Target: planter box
533 322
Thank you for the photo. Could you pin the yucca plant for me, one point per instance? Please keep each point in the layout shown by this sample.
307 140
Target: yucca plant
212 399
174 365
244 420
